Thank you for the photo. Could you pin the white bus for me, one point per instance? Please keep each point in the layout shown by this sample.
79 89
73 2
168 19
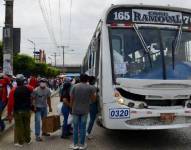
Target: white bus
141 57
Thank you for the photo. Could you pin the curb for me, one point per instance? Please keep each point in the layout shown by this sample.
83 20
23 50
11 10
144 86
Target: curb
10 126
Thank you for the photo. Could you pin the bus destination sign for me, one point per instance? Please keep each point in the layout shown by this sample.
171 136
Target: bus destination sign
124 15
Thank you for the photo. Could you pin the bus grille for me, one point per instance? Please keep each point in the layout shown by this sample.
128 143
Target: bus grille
153 102
176 102
155 121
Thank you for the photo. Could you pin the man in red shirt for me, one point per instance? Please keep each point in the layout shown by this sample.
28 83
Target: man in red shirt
33 82
19 106
4 82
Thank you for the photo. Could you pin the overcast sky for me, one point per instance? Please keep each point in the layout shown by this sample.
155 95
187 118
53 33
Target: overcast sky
85 15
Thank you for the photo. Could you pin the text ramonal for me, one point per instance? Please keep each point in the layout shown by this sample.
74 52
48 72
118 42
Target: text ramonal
156 17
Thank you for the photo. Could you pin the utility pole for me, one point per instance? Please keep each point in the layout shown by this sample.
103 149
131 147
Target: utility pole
34 46
8 38
55 55
63 47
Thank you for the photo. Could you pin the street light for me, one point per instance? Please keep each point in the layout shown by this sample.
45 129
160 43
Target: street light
34 46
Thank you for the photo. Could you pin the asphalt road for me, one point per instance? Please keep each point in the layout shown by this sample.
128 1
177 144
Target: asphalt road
111 140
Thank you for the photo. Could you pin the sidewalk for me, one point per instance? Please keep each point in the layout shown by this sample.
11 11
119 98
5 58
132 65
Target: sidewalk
10 125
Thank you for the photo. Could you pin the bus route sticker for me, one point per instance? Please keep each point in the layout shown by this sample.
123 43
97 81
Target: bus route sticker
119 113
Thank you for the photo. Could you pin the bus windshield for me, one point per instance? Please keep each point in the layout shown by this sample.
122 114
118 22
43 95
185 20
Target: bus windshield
151 53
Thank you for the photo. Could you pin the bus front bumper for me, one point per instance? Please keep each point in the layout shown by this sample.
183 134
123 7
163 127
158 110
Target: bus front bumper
147 119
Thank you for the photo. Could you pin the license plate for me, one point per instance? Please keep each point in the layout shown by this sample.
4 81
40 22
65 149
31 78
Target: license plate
167 117
119 113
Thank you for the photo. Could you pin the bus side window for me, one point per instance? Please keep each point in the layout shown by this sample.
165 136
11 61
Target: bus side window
90 60
93 57
86 65
97 55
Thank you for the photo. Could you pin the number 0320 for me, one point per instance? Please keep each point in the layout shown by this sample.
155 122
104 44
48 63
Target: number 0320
122 16
119 113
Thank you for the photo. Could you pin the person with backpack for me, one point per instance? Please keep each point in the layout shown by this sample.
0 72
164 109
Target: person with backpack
19 107
4 83
65 98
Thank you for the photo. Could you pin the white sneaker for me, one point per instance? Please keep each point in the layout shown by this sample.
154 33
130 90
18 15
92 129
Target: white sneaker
74 147
29 142
18 145
83 147
89 136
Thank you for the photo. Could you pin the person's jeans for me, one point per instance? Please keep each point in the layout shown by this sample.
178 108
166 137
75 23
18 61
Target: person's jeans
2 124
22 127
93 113
79 122
39 115
65 112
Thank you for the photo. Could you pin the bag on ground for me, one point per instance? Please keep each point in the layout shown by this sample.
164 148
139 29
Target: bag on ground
50 124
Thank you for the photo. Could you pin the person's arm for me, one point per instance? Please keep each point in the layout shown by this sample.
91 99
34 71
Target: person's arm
49 100
71 100
60 94
72 97
93 97
33 100
49 104
30 88
10 105
65 101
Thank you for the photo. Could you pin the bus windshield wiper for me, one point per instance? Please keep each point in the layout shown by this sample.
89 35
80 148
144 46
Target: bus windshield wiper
175 47
143 43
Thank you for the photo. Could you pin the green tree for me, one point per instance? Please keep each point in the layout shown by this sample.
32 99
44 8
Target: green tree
26 65
23 64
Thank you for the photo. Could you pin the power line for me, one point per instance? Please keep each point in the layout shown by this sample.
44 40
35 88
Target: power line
45 16
48 11
70 22
51 21
60 19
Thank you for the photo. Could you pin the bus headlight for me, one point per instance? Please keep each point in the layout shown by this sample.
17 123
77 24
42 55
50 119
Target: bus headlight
120 100
118 97
127 102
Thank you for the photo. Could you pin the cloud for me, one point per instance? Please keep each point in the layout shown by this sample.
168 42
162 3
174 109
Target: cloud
85 16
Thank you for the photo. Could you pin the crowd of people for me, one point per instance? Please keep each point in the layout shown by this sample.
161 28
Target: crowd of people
22 95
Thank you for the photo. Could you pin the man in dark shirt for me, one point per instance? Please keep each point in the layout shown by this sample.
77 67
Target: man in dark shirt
19 105
65 98
81 94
